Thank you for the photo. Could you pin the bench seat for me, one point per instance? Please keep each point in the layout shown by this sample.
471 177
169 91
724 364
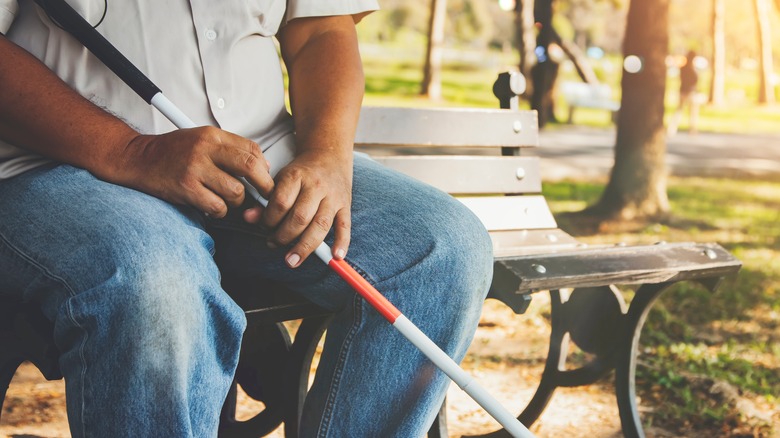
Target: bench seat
584 95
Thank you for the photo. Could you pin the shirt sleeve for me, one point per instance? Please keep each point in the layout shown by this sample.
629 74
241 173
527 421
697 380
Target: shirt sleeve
319 8
8 9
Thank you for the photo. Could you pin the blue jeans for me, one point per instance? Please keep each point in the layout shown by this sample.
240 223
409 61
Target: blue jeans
150 341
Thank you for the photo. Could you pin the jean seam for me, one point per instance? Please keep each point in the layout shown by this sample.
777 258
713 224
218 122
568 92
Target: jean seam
68 312
45 272
324 426
377 282
83 360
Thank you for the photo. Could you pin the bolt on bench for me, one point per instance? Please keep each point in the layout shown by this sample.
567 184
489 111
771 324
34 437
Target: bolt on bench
474 155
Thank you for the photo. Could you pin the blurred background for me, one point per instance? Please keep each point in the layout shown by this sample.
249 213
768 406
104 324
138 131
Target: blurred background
605 76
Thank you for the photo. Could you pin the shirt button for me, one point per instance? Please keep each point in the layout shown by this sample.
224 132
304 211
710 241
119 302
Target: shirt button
211 34
221 103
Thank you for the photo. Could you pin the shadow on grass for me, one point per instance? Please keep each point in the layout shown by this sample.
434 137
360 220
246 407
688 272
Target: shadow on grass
686 306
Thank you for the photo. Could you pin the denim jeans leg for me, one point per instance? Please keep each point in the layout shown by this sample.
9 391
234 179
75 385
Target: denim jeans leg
149 341
427 254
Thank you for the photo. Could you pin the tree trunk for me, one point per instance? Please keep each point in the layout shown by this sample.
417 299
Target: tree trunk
431 84
526 38
545 72
718 80
766 88
637 185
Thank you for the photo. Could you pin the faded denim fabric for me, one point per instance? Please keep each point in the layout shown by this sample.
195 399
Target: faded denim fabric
150 341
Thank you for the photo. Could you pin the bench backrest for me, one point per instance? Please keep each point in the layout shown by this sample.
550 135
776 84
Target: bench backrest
474 155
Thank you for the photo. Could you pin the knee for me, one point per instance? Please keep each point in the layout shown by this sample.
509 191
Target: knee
463 249
454 263
185 315
159 309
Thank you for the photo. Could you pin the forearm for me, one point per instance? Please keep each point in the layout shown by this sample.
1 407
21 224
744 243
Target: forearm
326 87
39 112
314 192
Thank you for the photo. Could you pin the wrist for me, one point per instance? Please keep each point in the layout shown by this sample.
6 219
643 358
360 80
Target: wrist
123 151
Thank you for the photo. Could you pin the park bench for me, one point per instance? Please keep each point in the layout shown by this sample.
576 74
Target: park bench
584 95
480 156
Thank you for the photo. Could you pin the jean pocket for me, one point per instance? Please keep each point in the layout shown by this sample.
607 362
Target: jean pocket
234 222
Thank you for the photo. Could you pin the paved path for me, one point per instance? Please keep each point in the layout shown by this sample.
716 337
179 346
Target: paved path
581 152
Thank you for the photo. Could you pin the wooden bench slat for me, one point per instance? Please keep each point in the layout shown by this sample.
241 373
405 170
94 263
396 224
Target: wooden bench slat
522 242
598 266
470 174
511 212
446 127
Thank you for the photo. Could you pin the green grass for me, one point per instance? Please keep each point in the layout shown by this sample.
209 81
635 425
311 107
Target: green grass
693 337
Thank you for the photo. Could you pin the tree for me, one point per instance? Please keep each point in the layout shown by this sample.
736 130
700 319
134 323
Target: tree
766 91
536 60
526 36
718 79
431 84
637 184
545 72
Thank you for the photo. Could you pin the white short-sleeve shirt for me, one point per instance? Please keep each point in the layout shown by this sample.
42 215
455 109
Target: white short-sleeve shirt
215 60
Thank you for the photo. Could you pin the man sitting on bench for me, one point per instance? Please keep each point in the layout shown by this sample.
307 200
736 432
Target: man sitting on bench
110 218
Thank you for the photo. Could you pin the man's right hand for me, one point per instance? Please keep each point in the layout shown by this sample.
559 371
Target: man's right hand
197 166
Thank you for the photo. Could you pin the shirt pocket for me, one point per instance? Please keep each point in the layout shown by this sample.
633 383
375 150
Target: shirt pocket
267 15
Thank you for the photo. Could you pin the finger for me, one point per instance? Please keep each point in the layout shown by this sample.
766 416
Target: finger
298 219
242 157
253 215
200 197
342 229
280 202
226 187
311 238
257 173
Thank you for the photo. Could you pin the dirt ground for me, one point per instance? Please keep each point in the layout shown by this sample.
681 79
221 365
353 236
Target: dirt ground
506 357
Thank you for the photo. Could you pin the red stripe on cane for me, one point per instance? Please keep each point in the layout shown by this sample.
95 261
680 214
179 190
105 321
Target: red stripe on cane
366 290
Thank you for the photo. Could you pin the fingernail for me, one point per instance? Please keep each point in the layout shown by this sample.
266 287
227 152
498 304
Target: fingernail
340 253
293 260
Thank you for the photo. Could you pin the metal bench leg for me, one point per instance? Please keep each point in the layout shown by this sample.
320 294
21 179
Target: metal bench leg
228 413
301 355
556 358
439 427
625 366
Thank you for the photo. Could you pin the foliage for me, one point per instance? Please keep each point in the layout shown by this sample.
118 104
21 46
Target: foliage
740 29
475 23
600 23
592 22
